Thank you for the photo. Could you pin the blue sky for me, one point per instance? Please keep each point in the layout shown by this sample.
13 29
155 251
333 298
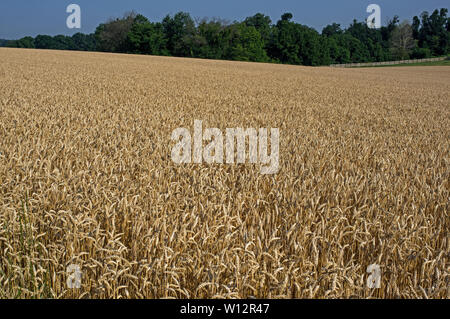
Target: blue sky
20 18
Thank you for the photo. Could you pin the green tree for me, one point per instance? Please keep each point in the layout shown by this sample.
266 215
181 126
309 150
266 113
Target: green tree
339 54
146 37
402 41
247 44
332 29
294 43
217 39
179 31
420 53
83 42
25 42
284 46
62 42
44 42
357 51
372 47
432 31
112 36
263 24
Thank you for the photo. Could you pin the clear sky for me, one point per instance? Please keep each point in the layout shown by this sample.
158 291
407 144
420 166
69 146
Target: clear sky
19 18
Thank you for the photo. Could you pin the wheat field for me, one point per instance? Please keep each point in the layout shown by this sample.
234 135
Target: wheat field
86 178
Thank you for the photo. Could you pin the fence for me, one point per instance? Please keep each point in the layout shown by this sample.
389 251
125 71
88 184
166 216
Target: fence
350 65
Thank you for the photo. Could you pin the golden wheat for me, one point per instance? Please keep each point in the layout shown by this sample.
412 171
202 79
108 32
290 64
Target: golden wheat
86 178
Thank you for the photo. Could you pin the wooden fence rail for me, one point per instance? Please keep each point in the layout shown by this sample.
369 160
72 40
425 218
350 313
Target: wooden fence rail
351 65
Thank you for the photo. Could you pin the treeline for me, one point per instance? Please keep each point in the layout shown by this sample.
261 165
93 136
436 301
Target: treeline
258 39
79 42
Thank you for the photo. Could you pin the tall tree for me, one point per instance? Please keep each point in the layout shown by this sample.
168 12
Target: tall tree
179 31
294 43
432 32
402 40
332 29
112 35
247 44
146 37
263 24
217 39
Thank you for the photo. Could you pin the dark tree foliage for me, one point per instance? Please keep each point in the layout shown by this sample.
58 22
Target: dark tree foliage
215 39
180 32
83 42
3 42
112 36
26 42
262 24
432 32
332 29
145 37
246 44
256 38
